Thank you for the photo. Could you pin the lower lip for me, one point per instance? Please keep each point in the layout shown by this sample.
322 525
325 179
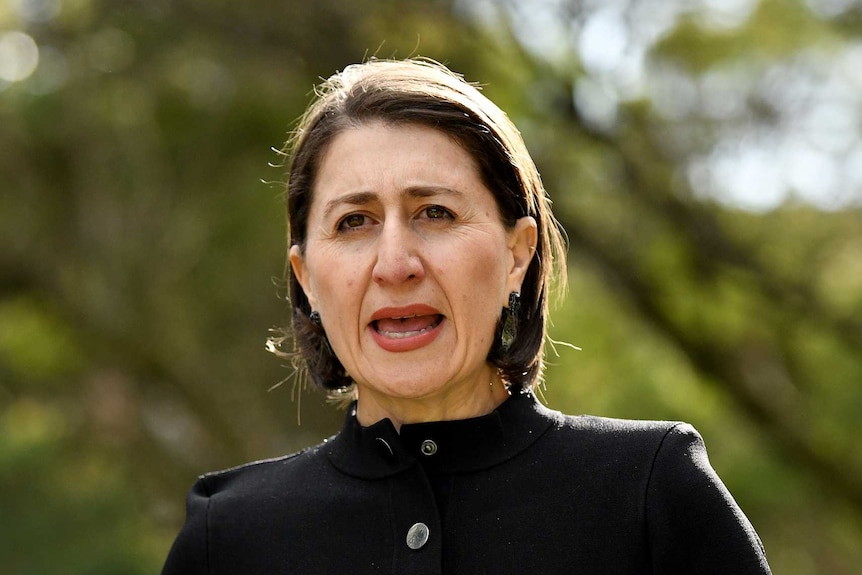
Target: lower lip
406 343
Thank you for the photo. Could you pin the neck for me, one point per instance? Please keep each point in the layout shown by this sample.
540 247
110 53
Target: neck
478 400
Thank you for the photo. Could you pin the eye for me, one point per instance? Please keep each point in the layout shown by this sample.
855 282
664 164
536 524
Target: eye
353 222
437 213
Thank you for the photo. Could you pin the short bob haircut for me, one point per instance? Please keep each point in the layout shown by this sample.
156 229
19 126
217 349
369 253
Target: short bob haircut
423 92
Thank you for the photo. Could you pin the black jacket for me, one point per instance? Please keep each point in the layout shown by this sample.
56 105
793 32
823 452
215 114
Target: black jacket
522 490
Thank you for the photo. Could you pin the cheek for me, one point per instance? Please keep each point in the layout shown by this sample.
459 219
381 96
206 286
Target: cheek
330 289
338 288
333 269
481 281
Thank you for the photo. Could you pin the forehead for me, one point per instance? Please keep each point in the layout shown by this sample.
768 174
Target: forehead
377 157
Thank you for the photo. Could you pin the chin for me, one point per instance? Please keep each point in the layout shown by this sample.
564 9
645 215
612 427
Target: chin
408 389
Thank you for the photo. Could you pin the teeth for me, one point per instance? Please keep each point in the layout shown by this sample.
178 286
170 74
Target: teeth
403 334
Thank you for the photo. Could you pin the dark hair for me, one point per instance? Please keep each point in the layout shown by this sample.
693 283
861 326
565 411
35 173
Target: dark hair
419 91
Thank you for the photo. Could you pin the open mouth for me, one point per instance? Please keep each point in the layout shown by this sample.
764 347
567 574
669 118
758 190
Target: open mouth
404 327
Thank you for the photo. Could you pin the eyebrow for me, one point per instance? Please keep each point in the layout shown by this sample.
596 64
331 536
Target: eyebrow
364 198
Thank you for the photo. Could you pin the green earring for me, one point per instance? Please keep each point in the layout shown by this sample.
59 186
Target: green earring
510 323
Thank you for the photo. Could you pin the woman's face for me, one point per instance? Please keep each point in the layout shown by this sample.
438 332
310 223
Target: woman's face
408 262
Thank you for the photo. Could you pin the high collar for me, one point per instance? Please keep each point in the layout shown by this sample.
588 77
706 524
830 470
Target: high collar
464 445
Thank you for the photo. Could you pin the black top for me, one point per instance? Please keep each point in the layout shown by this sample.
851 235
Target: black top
523 489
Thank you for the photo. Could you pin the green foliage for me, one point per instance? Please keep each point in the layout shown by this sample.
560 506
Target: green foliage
141 228
35 344
67 504
776 29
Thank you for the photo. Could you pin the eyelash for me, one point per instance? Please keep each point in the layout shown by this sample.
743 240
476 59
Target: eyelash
342 223
446 213
343 227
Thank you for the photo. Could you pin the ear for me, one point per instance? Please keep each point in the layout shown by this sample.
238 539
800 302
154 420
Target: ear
300 272
522 245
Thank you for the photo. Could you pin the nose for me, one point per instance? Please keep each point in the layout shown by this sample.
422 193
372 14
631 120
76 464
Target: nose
398 258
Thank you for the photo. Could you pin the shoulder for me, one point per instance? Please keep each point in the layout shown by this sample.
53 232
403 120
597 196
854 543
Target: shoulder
232 513
606 432
614 427
660 474
643 449
259 476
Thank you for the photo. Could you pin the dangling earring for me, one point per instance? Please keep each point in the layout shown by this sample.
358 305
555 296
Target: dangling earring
510 323
314 317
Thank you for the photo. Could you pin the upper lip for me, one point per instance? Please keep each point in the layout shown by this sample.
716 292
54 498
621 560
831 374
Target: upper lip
412 310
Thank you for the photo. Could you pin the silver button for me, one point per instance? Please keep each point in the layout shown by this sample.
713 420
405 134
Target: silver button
428 447
417 536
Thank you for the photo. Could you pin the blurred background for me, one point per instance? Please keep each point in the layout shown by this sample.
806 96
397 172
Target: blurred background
704 156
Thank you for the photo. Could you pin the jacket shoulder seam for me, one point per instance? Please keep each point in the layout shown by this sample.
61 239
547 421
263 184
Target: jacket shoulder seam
258 463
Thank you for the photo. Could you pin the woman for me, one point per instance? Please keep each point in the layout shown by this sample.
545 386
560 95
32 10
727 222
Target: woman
422 248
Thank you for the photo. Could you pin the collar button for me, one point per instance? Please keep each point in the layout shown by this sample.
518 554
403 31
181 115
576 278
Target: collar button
428 447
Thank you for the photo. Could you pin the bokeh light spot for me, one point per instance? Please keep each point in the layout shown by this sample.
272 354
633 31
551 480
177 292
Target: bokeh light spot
37 10
19 56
